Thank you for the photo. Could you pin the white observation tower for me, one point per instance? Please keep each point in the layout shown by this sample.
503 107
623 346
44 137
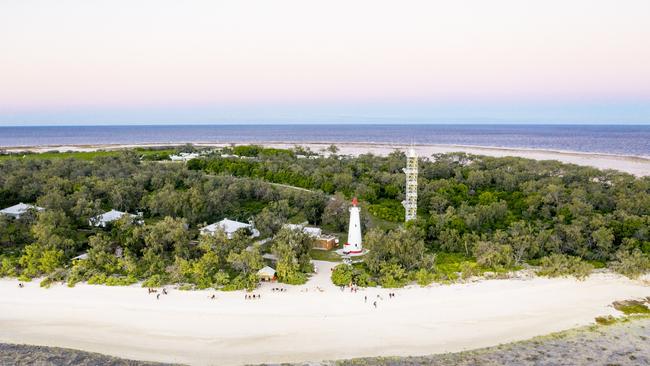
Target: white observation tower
411 171
353 245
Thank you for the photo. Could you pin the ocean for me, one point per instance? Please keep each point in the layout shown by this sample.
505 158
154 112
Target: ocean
610 139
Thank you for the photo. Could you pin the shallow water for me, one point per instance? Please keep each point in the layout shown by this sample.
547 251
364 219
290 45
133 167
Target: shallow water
625 140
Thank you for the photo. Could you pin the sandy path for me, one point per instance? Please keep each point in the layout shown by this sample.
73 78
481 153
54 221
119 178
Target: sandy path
636 165
187 327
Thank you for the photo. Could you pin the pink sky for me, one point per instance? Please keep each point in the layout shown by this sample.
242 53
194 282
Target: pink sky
65 56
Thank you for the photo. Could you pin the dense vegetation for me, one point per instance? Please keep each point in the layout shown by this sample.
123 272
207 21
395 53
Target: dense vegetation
476 214
174 202
495 213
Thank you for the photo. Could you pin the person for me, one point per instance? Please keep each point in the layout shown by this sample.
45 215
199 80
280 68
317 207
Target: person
365 299
164 291
375 304
21 285
158 297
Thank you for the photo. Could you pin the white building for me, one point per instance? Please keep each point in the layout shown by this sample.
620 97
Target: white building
229 227
314 232
184 156
110 216
353 245
266 274
20 209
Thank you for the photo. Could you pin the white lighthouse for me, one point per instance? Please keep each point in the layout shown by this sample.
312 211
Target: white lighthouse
353 245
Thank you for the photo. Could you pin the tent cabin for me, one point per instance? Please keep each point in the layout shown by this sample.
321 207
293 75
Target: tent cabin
110 216
18 210
266 274
321 241
229 227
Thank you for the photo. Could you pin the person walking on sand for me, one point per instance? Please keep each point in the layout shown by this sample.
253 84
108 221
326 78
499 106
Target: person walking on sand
158 297
365 298
375 304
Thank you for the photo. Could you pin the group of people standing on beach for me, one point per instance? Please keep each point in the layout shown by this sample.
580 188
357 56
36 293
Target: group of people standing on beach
252 297
155 291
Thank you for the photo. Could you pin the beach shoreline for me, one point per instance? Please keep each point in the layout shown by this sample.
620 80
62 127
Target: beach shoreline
313 322
632 164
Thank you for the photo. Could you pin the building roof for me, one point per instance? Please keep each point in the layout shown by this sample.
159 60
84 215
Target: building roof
229 227
312 231
110 216
266 271
83 256
20 209
184 156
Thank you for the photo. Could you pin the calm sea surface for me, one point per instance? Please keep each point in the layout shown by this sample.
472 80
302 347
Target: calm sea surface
627 140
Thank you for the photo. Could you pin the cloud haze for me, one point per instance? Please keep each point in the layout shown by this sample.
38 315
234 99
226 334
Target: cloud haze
80 61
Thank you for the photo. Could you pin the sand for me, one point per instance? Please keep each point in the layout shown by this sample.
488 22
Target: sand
636 165
304 323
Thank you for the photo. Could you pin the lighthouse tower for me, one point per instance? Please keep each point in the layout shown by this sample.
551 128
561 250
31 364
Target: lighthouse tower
353 245
411 171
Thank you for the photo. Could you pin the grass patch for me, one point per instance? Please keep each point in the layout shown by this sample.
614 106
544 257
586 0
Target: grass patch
630 307
324 255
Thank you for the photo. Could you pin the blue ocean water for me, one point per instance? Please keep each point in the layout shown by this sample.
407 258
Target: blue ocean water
625 140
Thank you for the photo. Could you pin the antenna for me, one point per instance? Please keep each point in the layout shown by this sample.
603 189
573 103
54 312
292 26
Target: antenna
411 171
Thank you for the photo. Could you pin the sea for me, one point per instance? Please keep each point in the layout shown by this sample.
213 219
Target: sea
610 139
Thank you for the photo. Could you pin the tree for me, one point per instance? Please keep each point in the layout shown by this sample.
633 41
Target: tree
560 265
404 247
631 263
336 213
522 240
270 220
292 247
603 239
101 255
493 255
248 261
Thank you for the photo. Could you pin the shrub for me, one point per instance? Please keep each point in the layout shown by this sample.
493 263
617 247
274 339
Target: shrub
493 255
630 263
468 269
392 275
8 267
342 275
120 281
424 277
153 281
560 265
605 320
46 282
99 279
363 278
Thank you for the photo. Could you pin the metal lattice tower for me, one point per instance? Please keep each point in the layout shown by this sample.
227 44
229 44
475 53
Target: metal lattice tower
411 171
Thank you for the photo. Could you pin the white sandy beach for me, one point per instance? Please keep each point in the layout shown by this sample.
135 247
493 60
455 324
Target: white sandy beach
636 165
302 324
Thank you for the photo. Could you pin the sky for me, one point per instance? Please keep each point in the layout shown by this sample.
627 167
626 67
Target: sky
298 61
